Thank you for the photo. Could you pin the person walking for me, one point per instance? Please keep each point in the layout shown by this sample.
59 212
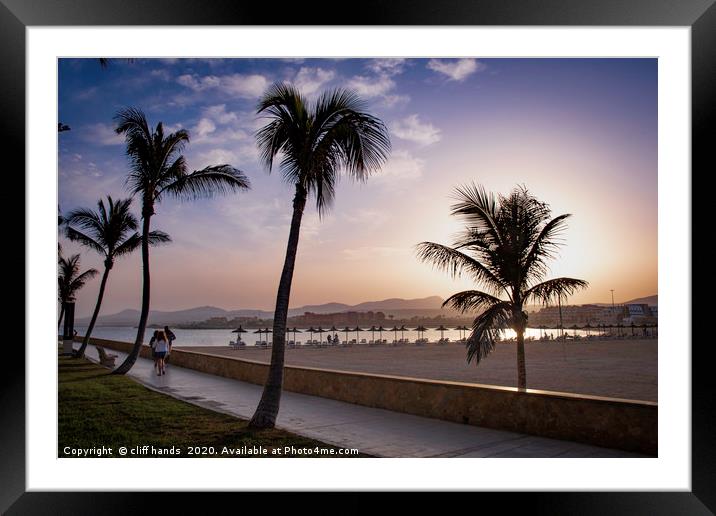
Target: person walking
161 347
170 338
152 343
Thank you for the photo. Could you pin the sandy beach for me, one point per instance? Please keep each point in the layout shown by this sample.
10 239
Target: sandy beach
617 368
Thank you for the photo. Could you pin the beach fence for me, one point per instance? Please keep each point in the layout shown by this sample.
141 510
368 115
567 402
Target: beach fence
630 425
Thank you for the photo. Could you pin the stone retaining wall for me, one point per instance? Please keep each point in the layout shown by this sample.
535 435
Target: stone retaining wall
613 423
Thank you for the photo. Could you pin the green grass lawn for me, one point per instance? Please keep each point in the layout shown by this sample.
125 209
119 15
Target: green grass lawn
98 410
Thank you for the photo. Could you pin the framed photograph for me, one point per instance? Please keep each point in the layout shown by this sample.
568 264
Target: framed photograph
426 247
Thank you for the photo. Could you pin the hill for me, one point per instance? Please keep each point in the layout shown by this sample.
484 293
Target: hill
399 307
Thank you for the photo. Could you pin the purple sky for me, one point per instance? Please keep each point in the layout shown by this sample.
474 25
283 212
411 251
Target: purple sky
581 134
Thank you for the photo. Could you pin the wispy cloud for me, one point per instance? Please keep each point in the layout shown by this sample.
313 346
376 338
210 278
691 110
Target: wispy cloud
456 69
395 100
101 134
388 66
310 80
219 126
238 155
413 129
239 85
220 114
371 87
87 93
401 168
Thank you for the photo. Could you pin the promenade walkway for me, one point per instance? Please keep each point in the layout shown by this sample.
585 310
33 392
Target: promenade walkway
373 431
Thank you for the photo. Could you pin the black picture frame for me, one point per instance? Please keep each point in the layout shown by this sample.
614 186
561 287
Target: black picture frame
16 15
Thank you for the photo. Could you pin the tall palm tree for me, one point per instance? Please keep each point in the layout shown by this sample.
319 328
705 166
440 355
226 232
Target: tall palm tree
70 280
110 231
158 169
315 142
504 247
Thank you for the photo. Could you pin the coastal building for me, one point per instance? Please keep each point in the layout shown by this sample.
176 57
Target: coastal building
640 313
581 315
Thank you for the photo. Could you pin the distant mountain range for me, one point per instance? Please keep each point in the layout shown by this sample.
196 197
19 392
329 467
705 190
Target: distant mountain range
400 308
648 300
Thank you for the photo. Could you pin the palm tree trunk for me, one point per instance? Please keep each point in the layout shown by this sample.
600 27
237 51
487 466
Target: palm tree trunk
521 369
132 358
267 410
62 314
81 352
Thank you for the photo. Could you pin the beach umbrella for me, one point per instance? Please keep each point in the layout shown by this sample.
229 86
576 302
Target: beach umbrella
238 331
403 329
394 329
420 329
380 332
357 329
373 330
574 327
259 331
589 328
267 331
346 329
311 330
632 328
441 329
294 331
333 329
320 331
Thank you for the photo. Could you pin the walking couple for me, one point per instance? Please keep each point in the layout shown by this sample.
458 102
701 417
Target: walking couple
161 344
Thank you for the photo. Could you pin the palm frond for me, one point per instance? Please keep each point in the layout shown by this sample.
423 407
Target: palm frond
544 246
316 142
105 229
69 279
209 181
79 282
554 289
457 263
87 241
478 208
159 238
129 245
485 329
471 301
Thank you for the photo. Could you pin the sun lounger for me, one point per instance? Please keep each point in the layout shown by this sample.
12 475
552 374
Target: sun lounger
104 358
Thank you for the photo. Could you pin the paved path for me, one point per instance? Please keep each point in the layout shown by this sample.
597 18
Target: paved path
373 431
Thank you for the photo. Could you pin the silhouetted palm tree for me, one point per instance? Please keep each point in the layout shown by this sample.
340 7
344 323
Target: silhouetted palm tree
70 280
110 231
157 170
504 247
315 141
104 62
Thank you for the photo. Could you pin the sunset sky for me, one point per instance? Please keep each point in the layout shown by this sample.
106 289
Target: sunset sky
581 134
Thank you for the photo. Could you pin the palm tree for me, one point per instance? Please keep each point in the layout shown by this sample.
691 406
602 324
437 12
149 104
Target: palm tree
504 247
70 280
110 231
158 169
315 141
